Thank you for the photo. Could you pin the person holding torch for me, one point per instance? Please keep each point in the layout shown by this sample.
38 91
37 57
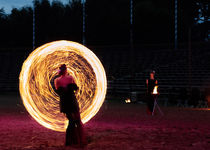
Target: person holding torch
150 83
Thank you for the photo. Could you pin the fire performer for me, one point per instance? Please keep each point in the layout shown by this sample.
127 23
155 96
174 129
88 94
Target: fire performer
150 83
66 87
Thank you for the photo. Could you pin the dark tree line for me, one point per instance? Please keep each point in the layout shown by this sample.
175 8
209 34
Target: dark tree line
107 22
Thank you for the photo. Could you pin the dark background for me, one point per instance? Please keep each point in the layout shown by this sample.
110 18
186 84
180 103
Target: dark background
108 28
107 22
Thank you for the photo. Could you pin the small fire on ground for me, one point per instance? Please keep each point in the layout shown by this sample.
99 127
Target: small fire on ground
128 101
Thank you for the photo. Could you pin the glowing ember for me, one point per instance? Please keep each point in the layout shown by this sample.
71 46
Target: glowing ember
128 101
155 90
39 71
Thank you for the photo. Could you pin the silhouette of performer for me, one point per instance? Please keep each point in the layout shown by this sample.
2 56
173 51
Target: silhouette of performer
150 83
66 87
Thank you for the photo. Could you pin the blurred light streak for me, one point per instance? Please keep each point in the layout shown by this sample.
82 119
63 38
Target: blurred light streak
41 68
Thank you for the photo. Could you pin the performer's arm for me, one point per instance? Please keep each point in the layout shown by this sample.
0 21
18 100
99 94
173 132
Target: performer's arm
147 84
75 87
56 84
156 82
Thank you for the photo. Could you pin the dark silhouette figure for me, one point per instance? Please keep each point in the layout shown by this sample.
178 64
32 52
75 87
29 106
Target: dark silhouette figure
66 87
150 83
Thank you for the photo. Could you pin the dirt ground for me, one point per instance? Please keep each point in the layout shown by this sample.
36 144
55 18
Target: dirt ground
117 126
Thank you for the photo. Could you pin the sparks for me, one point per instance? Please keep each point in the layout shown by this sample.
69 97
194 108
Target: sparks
39 71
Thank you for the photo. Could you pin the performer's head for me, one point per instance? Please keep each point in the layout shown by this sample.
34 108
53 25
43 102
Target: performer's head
62 69
152 74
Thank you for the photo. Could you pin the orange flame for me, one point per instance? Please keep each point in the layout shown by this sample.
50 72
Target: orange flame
128 101
39 71
155 90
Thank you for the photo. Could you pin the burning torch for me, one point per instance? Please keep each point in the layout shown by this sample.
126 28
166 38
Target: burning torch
155 94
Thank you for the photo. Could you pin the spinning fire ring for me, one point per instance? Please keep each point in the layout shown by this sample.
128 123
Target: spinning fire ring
36 82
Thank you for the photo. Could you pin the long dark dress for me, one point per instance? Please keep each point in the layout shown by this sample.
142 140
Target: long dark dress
70 107
150 97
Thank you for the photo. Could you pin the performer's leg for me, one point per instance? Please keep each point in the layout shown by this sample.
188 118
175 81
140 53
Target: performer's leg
153 111
80 131
69 130
68 142
75 132
150 103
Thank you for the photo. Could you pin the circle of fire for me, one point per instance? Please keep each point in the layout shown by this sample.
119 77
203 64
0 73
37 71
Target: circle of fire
36 82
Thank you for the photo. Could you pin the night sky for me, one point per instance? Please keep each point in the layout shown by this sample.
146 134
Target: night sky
9 4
